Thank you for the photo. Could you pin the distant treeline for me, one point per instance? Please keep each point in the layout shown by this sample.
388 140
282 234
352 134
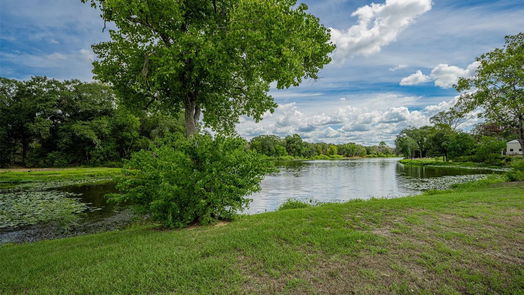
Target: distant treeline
294 146
45 122
485 143
50 123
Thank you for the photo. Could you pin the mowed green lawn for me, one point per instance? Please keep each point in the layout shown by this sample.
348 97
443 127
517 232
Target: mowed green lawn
468 241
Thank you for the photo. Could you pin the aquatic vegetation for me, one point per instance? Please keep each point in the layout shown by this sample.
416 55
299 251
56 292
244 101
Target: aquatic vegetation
19 209
443 182
438 162
295 204
45 179
44 186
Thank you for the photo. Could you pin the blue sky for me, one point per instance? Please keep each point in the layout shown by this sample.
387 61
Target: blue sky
393 67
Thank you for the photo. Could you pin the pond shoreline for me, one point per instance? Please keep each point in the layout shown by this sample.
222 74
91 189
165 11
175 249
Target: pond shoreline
430 162
368 244
301 180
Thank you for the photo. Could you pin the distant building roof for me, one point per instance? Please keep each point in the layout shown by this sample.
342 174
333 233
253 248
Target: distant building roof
514 141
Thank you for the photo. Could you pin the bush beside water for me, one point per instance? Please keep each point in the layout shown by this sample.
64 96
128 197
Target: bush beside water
192 180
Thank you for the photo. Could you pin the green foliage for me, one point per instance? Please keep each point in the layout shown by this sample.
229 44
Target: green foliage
332 150
406 145
443 141
515 175
449 237
461 144
352 150
517 172
46 122
413 142
497 88
294 147
380 150
215 57
192 180
269 145
293 204
489 150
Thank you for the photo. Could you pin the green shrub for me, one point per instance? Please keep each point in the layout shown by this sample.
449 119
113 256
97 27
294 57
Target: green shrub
517 173
489 151
518 164
197 180
293 204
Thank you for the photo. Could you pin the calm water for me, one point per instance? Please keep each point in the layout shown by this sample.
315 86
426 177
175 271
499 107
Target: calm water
318 181
337 181
95 196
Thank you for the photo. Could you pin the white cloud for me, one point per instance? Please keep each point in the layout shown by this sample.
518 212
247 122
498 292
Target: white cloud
442 106
443 75
378 25
367 123
414 79
76 64
398 67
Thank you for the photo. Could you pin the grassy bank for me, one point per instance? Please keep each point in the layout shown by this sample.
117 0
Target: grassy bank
327 157
466 241
441 162
10 178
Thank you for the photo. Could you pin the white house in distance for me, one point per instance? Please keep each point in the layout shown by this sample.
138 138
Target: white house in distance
513 148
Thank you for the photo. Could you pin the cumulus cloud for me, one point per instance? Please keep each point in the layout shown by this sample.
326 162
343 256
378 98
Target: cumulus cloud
443 75
414 79
61 65
378 25
365 124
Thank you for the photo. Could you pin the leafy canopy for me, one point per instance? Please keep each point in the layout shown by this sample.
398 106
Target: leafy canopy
497 88
217 57
192 180
46 122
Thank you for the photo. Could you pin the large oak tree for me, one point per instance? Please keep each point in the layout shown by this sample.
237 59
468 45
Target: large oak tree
212 57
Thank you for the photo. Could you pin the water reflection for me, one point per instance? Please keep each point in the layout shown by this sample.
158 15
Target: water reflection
95 196
337 181
320 181
435 171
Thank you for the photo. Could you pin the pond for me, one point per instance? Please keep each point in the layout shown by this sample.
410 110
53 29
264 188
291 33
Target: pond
315 181
338 181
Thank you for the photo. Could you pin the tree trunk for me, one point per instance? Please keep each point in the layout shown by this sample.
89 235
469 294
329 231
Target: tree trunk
192 115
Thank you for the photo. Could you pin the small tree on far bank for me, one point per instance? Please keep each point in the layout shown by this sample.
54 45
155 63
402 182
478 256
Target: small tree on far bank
497 88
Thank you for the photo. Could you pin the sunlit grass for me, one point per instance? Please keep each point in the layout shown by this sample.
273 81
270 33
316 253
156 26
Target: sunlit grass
464 241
